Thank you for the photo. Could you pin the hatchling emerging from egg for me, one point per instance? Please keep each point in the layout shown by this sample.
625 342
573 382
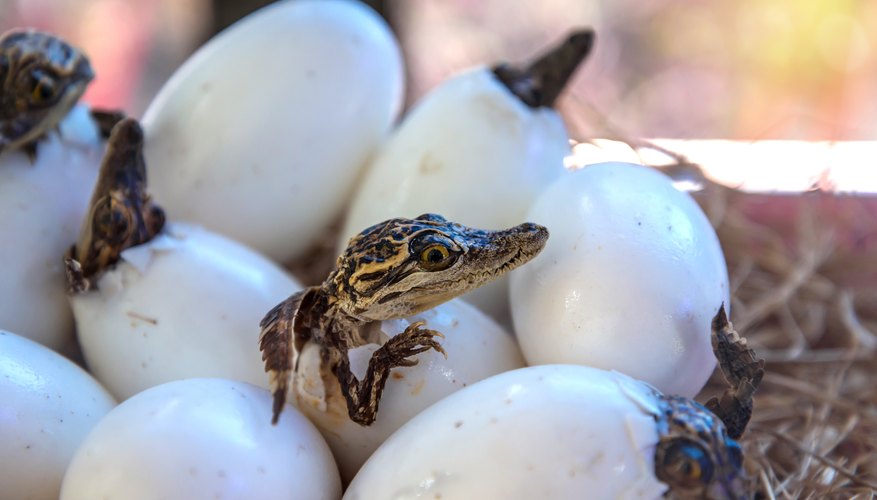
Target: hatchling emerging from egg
41 79
697 454
402 266
571 432
391 270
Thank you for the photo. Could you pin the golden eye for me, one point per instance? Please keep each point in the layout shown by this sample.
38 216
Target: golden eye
691 470
112 220
435 257
44 88
686 464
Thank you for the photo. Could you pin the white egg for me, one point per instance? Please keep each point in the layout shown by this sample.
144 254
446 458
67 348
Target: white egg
560 432
202 438
262 133
47 406
186 304
630 279
42 205
477 348
470 151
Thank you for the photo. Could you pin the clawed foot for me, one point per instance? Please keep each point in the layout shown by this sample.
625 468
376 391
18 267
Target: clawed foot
363 396
411 342
743 371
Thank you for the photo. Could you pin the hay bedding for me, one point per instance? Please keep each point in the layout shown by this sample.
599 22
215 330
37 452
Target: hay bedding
804 282
803 272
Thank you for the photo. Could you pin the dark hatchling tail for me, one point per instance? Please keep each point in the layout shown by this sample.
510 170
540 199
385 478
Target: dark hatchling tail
278 351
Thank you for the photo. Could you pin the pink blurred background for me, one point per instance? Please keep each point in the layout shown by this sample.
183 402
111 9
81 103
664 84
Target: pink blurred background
734 69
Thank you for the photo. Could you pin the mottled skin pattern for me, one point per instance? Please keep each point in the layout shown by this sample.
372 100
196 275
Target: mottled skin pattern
696 454
41 78
121 213
540 83
743 371
391 270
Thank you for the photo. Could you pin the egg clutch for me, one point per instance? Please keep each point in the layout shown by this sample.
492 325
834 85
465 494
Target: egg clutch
494 326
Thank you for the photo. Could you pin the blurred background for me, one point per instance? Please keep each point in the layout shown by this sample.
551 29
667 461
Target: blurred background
734 69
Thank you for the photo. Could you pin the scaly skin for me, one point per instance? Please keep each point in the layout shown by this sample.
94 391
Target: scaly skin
121 214
696 454
742 370
540 83
41 78
391 270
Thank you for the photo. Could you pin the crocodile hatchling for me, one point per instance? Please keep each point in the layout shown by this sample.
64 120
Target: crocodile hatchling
41 79
697 455
390 270
402 266
121 214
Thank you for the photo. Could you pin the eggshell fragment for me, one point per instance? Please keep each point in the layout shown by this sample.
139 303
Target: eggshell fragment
629 280
42 204
560 432
470 151
186 304
47 406
262 133
476 346
202 438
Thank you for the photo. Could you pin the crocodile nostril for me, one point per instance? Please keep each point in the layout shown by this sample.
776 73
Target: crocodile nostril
530 227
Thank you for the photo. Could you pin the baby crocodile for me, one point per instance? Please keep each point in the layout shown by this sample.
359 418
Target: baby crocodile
121 214
697 455
391 270
540 83
41 79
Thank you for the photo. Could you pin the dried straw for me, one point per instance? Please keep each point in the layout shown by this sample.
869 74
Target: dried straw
803 272
802 297
804 293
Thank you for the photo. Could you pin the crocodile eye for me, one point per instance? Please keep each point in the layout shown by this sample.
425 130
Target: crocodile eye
686 464
112 221
435 257
43 88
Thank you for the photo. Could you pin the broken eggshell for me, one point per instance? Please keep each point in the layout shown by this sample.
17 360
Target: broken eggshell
476 346
554 431
202 438
477 149
185 304
47 407
42 204
629 280
262 133
471 151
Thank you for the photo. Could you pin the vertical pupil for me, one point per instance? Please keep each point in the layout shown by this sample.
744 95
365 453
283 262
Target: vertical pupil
45 89
120 221
688 468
